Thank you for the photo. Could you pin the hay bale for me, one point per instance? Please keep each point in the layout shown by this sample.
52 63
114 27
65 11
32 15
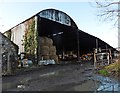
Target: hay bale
54 57
46 57
52 53
48 41
44 50
45 41
41 41
52 50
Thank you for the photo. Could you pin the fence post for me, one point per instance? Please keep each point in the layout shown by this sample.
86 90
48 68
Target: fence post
94 54
110 55
108 58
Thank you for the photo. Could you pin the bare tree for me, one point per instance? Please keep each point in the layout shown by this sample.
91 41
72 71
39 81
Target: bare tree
108 10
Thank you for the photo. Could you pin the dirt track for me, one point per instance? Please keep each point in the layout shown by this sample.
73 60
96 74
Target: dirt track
51 78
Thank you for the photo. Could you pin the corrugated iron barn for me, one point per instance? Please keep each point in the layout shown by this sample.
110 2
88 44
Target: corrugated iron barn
52 34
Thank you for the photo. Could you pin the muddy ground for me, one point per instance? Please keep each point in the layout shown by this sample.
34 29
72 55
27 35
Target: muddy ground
65 77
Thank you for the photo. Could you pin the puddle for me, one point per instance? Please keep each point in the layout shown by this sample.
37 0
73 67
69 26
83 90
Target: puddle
97 83
102 83
107 84
108 87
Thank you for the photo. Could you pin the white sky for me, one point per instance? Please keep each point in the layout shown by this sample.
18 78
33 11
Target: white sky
84 15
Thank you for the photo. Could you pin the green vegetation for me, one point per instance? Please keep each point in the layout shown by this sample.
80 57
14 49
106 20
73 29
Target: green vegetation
103 72
30 39
112 69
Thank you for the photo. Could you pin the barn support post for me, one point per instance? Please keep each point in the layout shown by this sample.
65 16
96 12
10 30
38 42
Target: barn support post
96 41
106 48
36 50
38 45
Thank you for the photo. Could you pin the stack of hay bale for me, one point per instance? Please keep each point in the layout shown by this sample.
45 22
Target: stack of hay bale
47 49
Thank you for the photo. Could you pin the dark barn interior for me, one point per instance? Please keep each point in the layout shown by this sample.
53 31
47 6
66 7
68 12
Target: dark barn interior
64 37
69 38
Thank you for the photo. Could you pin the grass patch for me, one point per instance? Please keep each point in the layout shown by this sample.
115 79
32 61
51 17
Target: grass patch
111 70
114 67
103 72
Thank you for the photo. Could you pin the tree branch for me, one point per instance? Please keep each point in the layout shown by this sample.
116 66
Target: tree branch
101 5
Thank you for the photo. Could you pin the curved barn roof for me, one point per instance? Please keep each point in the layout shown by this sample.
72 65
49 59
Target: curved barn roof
73 24
58 16
87 42
69 28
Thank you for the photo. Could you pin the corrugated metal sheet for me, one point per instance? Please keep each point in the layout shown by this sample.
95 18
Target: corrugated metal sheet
57 16
18 32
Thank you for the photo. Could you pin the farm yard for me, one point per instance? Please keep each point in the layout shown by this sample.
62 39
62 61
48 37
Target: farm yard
48 52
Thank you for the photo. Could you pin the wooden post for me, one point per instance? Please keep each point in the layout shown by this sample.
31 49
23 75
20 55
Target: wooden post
108 58
110 54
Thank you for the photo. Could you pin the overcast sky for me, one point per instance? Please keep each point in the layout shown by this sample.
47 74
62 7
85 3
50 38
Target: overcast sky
84 15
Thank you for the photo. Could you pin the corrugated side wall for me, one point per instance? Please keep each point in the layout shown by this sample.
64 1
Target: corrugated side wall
18 32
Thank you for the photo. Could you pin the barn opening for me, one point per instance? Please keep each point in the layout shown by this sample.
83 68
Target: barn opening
64 35
70 42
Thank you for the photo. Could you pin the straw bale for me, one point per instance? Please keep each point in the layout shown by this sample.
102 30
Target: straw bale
44 50
54 57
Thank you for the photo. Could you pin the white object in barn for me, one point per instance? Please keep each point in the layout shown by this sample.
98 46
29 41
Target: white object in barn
46 62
